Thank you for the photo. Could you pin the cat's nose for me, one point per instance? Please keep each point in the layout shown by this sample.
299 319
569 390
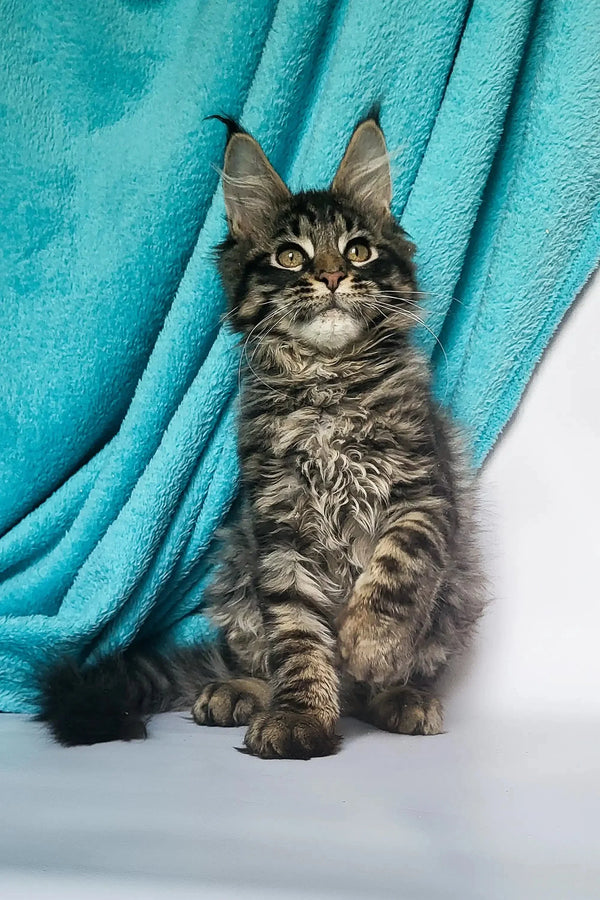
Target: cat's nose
331 279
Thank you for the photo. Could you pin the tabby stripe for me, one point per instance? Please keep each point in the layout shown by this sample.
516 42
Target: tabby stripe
417 546
291 597
303 694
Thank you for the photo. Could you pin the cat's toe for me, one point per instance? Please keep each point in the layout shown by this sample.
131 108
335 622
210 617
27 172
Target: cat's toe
406 710
229 703
287 735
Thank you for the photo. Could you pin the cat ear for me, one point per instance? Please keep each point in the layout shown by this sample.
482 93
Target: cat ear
364 172
252 187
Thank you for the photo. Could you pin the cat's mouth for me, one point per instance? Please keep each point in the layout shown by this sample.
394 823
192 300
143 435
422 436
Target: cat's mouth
336 303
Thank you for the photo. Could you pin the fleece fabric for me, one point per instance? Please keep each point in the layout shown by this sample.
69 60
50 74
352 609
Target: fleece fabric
118 400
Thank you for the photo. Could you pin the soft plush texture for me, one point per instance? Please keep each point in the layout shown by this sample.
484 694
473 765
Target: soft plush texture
117 410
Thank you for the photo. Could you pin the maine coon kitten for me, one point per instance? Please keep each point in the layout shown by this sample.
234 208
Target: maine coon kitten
350 575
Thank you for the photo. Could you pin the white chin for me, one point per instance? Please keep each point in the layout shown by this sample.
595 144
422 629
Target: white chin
330 330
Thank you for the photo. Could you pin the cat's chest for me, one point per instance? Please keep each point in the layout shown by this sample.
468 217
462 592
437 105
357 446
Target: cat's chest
342 478
324 441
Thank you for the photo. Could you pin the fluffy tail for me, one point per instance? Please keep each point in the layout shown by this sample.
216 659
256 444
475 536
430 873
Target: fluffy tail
112 700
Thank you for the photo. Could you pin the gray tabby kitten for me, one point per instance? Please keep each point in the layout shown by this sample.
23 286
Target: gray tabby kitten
350 574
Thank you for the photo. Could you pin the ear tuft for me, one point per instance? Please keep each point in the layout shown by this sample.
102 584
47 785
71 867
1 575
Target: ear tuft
232 126
251 186
364 172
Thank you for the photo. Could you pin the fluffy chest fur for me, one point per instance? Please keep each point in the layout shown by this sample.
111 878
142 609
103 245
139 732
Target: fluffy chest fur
340 484
329 461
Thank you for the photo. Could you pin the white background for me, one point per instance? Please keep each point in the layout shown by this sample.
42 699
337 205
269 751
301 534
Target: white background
539 648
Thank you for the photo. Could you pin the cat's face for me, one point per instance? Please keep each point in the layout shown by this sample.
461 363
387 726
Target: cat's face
322 268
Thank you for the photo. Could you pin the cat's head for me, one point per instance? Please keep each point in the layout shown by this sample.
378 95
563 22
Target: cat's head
324 268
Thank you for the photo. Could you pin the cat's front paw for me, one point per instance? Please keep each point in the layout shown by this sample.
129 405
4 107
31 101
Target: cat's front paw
372 648
281 734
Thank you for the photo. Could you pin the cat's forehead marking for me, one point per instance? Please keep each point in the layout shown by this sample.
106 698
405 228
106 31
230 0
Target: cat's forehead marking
320 217
322 226
293 233
347 236
307 245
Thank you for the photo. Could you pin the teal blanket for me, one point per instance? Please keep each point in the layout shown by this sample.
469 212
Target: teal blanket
117 408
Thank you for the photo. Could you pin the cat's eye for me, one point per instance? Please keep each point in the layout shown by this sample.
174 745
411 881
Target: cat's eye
290 257
358 251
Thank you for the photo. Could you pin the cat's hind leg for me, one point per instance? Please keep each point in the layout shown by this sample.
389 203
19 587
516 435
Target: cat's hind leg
403 709
235 696
232 702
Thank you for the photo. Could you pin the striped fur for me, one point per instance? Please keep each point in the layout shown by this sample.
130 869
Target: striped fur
356 532
350 575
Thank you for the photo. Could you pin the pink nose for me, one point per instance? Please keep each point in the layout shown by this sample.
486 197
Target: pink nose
331 279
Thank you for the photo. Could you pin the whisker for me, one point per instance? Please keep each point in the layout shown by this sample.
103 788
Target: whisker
442 348
282 313
227 315
394 307
243 352
262 381
427 294
386 307
380 301
270 330
387 300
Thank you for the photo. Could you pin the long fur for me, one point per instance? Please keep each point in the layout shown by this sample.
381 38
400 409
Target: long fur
351 574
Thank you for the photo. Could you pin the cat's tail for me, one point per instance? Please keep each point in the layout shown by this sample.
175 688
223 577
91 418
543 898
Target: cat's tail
112 699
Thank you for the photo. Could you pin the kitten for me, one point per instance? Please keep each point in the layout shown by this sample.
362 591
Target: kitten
350 575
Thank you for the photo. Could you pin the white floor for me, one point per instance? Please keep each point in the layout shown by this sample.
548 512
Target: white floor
505 805
494 809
